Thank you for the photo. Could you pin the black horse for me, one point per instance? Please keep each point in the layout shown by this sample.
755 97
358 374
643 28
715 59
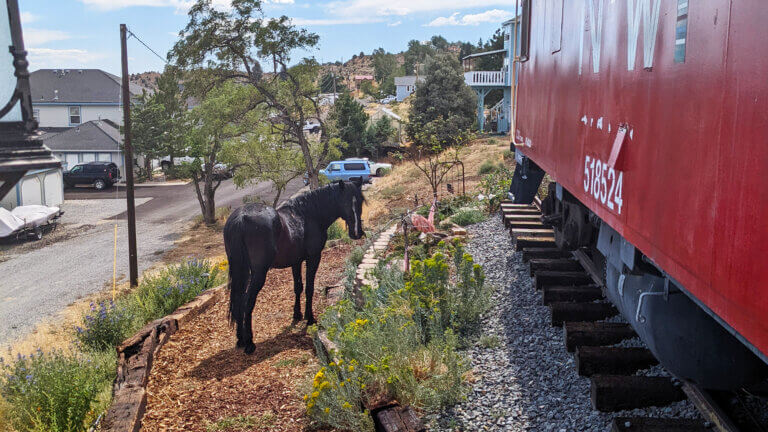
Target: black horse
257 239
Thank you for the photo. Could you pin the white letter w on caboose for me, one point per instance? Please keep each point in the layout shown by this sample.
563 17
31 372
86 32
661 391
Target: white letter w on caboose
650 16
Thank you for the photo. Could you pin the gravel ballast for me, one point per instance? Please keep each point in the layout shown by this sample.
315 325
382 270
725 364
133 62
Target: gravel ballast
524 379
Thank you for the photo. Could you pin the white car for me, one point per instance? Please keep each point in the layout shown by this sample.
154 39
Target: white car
377 168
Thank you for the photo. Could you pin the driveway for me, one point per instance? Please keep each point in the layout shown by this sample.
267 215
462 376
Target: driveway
39 283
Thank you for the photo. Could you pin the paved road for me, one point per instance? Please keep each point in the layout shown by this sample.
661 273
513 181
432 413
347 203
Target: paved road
40 283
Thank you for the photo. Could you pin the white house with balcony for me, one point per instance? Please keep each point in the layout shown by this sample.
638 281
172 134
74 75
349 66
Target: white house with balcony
483 82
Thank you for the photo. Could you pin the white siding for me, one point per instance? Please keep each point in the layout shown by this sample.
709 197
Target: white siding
54 188
58 115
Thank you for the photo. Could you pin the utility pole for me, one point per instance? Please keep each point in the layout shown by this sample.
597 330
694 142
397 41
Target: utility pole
132 253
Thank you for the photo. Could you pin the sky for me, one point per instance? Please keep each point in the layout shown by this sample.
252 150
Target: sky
72 34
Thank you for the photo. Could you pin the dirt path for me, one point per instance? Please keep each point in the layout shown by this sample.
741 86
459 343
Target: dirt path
199 382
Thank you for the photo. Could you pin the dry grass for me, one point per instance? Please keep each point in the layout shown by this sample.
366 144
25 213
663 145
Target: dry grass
395 193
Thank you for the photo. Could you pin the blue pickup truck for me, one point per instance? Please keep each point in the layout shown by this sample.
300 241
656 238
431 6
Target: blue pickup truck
348 170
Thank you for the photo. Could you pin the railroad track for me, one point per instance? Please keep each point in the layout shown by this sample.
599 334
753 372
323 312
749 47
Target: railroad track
571 286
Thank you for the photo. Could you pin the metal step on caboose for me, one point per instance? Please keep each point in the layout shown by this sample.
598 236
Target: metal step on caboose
572 288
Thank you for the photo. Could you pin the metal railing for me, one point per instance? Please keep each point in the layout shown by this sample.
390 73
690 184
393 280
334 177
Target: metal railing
484 78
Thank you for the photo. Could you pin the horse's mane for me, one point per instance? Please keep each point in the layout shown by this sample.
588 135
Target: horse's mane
314 203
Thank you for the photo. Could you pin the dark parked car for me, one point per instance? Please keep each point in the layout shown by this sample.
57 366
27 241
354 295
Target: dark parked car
99 174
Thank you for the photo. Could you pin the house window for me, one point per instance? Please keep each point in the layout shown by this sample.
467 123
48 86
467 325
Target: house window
74 116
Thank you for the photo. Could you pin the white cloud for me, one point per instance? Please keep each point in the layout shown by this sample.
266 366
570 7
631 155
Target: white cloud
402 7
27 17
394 24
490 16
45 58
36 37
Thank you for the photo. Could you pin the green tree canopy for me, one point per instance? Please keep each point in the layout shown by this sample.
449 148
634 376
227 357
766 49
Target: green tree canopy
350 123
445 98
230 44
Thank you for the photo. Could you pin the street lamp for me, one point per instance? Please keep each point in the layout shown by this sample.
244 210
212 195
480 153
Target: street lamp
21 149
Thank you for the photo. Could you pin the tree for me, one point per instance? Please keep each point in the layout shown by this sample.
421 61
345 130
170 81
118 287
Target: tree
445 98
367 88
433 157
384 64
416 56
350 122
377 135
156 120
439 42
149 126
225 114
230 44
264 155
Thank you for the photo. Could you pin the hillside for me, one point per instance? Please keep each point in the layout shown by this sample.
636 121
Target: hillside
146 79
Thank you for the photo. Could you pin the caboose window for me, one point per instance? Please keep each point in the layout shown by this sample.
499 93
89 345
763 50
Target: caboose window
681 31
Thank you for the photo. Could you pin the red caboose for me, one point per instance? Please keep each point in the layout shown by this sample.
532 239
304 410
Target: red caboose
652 118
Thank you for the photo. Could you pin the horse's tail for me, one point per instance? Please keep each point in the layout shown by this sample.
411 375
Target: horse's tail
239 264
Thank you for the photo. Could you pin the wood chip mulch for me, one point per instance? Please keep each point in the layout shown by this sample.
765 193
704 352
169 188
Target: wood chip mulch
199 382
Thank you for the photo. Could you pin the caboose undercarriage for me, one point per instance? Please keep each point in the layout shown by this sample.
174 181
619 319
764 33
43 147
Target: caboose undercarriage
691 342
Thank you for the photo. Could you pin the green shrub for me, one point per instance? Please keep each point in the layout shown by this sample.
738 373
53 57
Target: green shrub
105 326
161 294
337 231
356 256
402 343
385 172
495 187
54 391
509 155
467 216
487 167
493 141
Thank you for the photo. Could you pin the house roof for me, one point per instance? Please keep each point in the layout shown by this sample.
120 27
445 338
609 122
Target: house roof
408 80
67 86
487 53
96 135
363 77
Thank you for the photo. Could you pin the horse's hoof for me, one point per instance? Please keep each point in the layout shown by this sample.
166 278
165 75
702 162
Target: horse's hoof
250 348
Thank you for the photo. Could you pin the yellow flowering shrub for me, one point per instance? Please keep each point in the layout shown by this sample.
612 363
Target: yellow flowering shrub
402 342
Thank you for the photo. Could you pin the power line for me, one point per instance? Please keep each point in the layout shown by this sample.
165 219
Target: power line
132 34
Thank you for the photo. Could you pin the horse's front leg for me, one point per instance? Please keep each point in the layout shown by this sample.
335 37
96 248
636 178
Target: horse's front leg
258 277
312 264
297 288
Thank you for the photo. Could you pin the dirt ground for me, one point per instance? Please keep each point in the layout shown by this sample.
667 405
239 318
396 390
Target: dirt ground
199 382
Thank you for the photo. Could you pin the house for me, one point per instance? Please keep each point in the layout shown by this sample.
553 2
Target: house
406 85
69 97
95 140
502 114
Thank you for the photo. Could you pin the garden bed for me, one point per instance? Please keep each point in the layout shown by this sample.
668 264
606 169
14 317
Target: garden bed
200 382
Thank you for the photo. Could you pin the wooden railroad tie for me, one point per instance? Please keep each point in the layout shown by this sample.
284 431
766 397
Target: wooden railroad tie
544 253
514 224
533 242
564 294
578 334
565 312
554 264
561 278
648 424
397 419
612 360
620 392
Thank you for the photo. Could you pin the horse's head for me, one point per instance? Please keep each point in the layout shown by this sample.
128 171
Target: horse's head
351 202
